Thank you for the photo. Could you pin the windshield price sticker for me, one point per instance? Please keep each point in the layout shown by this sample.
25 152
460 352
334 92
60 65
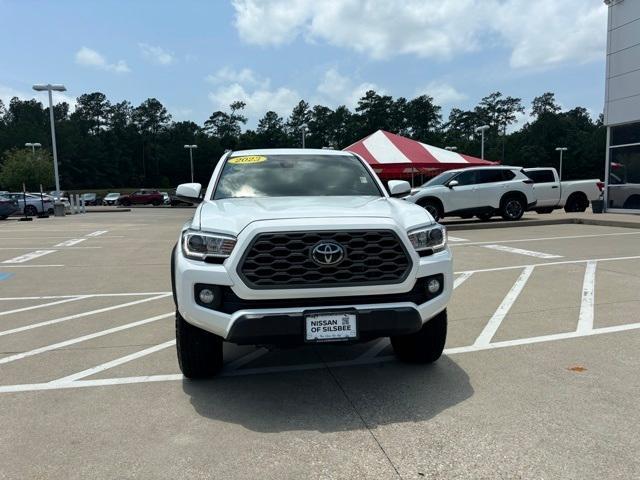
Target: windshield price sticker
247 159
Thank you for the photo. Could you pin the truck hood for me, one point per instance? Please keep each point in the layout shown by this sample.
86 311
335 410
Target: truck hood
232 215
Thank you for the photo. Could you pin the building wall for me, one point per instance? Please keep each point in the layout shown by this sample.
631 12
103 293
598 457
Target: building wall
622 97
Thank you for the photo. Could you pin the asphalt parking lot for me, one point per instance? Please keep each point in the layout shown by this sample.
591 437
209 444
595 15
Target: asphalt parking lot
539 377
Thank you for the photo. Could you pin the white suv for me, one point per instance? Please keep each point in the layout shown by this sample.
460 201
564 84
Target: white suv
297 246
480 191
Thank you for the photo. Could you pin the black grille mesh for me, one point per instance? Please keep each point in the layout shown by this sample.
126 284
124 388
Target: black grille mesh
282 260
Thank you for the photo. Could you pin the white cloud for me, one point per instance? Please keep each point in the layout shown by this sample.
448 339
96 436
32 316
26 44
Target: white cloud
544 32
442 93
156 55
245 76
281 100
91 58
336 89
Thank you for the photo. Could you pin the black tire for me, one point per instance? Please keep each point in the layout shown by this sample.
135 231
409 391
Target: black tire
424 346
125 202
544 210
433 208
632 203
155 203
3 217
199 351
485 217
577 202
512 208
30 211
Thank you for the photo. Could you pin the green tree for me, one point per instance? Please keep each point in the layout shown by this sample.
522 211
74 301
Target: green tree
545 103
271 131
21 166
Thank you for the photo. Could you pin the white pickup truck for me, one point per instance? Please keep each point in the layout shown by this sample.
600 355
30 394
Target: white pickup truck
551 193
296 246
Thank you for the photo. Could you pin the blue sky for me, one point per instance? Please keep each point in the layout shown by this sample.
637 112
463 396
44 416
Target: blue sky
197 56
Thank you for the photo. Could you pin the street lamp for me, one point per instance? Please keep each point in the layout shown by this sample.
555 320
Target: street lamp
304 131
482 129
33 147
561 150
191 147
52 88
451 149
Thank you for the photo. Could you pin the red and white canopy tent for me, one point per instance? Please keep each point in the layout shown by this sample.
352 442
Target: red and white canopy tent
394 156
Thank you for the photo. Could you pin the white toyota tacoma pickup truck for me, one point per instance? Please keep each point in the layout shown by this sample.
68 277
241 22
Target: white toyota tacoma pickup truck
293 246
551 193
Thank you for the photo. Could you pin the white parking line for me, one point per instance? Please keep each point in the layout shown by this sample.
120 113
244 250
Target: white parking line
309 366
49 304
585 320
494 323
567 237
456 239
520 251
97 234
460 280
66 343
51 297
80 315
29 256
70 243
547 264
30 266
114 363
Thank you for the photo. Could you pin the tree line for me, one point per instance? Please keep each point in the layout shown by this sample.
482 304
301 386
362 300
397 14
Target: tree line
105 144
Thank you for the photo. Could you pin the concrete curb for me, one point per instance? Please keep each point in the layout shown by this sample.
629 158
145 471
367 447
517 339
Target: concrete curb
538 223
111 210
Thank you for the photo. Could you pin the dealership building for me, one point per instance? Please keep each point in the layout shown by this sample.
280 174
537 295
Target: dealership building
622 107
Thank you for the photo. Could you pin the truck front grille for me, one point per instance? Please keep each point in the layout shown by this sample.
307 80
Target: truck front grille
284 260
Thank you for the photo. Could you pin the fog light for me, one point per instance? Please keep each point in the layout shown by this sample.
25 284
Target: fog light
433 286
206 296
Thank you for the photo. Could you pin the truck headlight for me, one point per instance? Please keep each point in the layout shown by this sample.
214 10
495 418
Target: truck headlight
202 245
429 238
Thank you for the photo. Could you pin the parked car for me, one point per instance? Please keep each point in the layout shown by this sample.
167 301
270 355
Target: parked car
90 199
142 197
33 204
477 191
111 198
343 262
551 193
8 206
63 194
624 187
63 200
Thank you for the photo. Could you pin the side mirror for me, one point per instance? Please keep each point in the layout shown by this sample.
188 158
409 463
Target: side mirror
189 192
453 183
398 187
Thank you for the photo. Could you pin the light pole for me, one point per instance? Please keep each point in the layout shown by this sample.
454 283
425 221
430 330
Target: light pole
482 129
33 148
191 147
304 131
451 149
561 150
52 88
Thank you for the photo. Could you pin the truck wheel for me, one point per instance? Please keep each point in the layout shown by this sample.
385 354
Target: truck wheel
577 202
512 208
155 203
424 346
199 351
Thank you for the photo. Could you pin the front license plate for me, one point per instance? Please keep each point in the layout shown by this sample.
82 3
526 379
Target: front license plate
324 327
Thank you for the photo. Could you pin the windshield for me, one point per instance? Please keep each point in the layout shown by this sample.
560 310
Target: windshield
439 179
294 176
111 195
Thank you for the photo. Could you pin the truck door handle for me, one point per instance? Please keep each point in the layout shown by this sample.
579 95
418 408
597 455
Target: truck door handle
555 186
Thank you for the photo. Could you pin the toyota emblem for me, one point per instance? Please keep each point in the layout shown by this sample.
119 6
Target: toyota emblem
327 253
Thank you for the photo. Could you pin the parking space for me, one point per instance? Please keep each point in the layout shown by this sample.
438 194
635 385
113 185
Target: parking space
539 377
